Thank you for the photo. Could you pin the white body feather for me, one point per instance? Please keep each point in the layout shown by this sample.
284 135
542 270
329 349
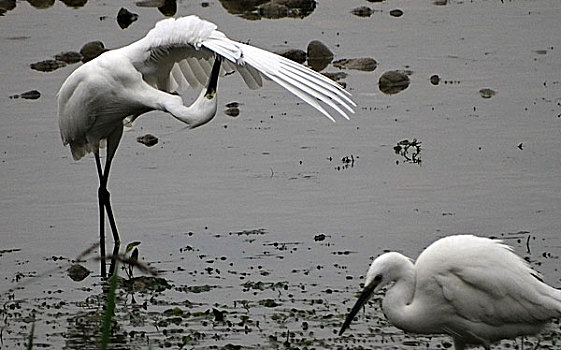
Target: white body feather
177 53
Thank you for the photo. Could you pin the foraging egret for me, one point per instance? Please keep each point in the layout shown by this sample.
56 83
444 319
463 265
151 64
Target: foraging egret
120 84
474 289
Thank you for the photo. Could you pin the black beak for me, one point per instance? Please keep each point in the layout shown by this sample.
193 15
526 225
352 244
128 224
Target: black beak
213 80
364 296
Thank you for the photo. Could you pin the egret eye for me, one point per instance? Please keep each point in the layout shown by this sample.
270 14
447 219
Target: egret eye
378 278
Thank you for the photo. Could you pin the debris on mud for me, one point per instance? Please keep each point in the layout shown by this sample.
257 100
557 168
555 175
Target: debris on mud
404 147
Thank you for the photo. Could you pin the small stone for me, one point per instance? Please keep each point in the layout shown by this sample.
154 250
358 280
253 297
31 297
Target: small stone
125 18
91 50
396 13
78 272
435 79
365 64
487 93
148 140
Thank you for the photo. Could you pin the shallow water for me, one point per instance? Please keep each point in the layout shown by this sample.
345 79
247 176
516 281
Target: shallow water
254 191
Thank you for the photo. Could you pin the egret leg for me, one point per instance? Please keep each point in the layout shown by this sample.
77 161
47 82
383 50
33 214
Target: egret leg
105 202
101 216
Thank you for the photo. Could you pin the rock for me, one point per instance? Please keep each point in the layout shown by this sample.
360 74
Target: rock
47 65
487 93
29 95
148 140
362 11
336 76
78 272
295 55
69 57
319 55
392 82
91 50
125 18
364 64
41 4
75 3
396 13
435 79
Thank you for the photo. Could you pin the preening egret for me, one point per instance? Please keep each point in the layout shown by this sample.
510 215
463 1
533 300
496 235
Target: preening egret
120 84
474 289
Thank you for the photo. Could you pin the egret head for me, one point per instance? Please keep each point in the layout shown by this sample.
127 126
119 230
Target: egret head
384 270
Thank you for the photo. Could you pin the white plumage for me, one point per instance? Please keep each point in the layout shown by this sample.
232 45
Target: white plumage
474 289
96 98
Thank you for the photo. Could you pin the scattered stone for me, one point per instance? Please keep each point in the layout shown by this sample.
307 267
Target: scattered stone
319 237
78 272
75 3
7 5
365 64
295 55
148 140
125 18
91 50
29 95
319 55
396 13
435 80
487 93
47 65
41 4
392 82
336 76
362 11
69 57
440 2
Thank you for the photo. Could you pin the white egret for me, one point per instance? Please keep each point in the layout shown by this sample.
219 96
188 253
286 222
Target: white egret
474 289
120 84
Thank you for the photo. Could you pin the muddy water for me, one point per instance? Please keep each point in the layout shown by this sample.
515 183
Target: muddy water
271 218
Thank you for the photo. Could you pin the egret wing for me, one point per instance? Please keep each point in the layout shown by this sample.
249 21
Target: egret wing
180 52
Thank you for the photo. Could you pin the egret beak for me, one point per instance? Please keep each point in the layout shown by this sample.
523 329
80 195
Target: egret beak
213 80
362 299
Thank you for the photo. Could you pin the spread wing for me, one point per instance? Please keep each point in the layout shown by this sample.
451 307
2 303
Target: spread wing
178 53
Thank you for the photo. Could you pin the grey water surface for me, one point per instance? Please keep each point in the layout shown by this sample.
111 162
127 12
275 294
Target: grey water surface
272 218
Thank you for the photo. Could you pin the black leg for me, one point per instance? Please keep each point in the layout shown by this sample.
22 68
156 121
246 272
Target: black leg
101 203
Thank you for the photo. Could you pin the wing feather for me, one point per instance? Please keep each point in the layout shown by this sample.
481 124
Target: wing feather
179 52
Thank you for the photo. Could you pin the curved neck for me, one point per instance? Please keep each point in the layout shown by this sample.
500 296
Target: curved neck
398 299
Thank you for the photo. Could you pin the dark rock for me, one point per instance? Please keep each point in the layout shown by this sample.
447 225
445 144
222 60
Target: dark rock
364 64
435 79
91 50
295 55
78 272
362 11
336 76
487 93
396 13
69 57
75 3
319 55
31 95
148 140
392 82
125 18
41 4
47 65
